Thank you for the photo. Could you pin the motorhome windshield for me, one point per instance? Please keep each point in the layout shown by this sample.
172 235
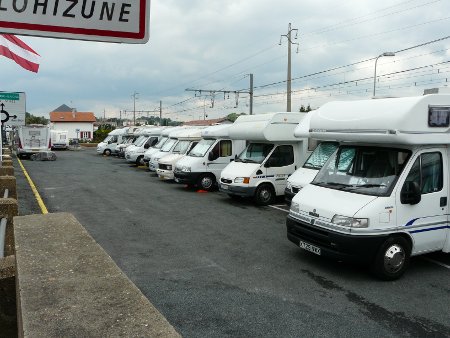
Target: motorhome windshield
255 153
168 145
181 147
138 140
202 148
108 138
141 141
363 169
161 142
320 155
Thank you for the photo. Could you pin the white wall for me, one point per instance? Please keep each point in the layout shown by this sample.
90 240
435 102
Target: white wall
71 127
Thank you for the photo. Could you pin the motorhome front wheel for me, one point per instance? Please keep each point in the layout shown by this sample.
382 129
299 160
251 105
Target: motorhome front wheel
206 182
392 259
107 152
264 194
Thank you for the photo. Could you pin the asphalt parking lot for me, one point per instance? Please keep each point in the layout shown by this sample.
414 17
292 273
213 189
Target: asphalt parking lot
215 267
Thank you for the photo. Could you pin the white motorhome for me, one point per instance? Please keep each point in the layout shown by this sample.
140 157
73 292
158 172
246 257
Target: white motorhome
383 195
128 139
273 154
187 139
135 152
60 139
31 139
109 144
204 163
157 147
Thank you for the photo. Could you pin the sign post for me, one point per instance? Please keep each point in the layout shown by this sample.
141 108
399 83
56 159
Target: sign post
123 21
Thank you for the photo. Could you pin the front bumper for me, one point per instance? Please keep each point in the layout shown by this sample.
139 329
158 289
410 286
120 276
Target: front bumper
165 174
131 157
355 248
237 190
188 178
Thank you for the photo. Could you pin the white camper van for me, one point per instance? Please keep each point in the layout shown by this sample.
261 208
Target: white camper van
170 141
273 154
204 163
135 152
187 139
109 144
128 139
157 147
60 139
31 139
383 195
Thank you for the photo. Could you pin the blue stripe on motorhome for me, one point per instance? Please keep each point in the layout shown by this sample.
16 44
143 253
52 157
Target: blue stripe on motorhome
431 229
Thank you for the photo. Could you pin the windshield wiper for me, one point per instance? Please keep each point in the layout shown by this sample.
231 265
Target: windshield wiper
340 186
311 166
248 161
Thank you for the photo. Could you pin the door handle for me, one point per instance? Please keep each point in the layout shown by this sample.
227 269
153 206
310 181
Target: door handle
443 202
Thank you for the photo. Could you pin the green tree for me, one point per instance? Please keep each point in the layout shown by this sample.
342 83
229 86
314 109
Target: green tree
233 116
31 119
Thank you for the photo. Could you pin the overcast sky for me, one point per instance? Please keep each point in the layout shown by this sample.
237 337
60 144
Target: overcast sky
214 45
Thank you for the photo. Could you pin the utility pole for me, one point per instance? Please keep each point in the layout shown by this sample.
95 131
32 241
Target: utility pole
289 78
134 96
212 92
160 112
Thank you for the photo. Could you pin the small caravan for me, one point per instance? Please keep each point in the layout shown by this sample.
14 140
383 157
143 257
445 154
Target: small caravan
135 152
272 155
186 140
60 139
109 144
204 163
31 139
382 196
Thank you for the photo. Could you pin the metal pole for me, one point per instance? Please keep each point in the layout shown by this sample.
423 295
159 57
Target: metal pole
289 80
160 112
1 143
251 94
375 74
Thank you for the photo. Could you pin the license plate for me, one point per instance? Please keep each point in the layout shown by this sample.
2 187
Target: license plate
224 187
309 247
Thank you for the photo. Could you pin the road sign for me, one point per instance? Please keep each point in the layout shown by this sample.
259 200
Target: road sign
124 21
15 104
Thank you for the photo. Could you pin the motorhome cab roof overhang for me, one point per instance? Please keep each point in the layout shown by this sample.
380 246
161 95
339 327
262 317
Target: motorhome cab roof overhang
409 120
266 127
221 130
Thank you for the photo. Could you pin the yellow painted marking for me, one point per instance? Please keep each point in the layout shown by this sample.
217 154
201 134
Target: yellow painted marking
33 188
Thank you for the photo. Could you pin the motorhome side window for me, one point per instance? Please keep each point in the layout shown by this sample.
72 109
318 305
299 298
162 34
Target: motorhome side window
427 173
225 148
282 156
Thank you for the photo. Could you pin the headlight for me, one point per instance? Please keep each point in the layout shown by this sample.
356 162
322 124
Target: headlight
245 180
295 208
186 169
350 222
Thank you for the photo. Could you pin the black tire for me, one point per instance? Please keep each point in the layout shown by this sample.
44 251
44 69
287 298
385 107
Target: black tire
107 152
392 258
264 194
207 182
139 161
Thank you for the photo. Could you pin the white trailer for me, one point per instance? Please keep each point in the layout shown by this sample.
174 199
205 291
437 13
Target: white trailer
382 197
135 152
31 139
272 155
204 163
60 139
109 144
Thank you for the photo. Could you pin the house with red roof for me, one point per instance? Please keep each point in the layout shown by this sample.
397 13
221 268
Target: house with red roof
79 125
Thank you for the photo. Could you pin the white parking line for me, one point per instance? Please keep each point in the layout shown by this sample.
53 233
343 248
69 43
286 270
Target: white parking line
436 262
278 208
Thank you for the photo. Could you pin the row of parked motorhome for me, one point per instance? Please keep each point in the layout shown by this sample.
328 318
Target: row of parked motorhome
374 190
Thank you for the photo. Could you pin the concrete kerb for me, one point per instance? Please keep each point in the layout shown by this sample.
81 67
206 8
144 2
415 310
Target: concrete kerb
6 171
67 285
8 182
9 208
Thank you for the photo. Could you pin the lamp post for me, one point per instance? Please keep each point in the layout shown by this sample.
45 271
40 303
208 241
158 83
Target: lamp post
375 73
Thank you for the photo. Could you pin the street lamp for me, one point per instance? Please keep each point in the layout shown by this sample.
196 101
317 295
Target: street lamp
375 73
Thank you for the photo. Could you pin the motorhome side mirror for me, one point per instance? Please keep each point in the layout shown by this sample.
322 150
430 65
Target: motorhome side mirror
211 156
109 142
410 193
146 146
